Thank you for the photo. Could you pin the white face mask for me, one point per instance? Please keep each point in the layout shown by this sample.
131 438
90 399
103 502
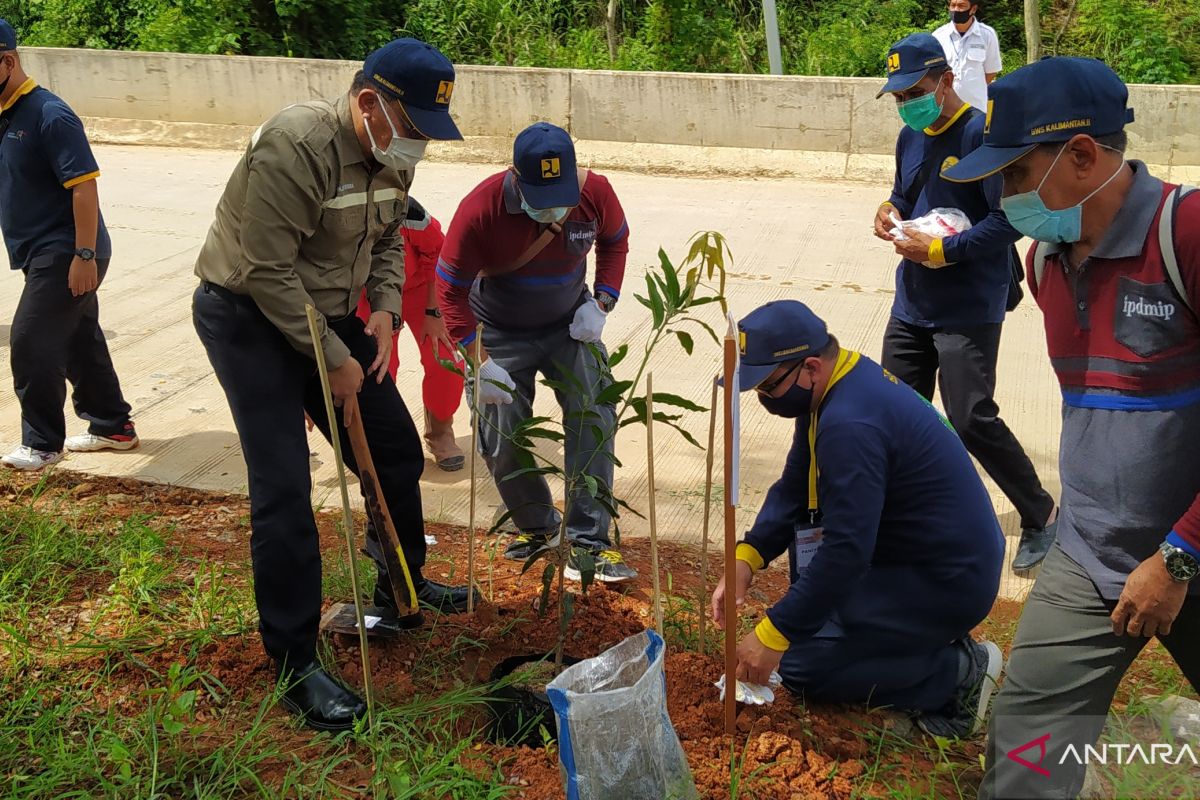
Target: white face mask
401 154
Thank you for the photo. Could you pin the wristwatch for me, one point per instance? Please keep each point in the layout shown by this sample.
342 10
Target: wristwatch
397 323
433 312
85 253
606 302
1181 565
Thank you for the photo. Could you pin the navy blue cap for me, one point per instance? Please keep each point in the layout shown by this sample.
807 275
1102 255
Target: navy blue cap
910 59
1044 102
8 37
774 334
421 78
544 160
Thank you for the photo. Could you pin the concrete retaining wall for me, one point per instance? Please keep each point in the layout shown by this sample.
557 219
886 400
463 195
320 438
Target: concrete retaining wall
671 122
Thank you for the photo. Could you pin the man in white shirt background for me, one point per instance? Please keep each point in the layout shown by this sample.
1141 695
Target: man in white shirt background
972 50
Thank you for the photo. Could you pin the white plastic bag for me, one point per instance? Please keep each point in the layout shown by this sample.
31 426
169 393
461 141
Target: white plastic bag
615 740
938 223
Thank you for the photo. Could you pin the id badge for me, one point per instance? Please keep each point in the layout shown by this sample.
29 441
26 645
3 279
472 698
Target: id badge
805 543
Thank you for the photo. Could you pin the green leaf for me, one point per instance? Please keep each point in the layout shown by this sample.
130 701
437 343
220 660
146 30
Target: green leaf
705 325
685 341
453 367
671 278
664 398
536 556
498 524
657 309
593 486
618 355
585 562
691 439
531 471
613 393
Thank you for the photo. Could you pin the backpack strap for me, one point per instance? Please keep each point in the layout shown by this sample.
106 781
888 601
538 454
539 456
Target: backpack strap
1166 242
1039 262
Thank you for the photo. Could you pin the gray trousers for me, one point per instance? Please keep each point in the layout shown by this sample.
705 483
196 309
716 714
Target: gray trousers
1065 666
587 426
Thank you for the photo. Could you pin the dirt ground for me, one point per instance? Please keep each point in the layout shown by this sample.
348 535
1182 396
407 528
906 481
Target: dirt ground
786 750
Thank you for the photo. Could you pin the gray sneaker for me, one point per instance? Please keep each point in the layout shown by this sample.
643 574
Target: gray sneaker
966 710
609 564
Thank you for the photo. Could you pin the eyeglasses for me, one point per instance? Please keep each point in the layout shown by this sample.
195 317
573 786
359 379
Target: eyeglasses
768 388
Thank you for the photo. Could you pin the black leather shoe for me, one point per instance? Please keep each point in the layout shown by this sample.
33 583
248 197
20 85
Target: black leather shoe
321 702
1035 544
444 599
430 594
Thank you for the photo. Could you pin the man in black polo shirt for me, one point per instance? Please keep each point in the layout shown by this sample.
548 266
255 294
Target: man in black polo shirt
50 217
952 291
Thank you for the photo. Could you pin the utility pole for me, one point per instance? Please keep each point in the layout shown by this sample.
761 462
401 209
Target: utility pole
774 56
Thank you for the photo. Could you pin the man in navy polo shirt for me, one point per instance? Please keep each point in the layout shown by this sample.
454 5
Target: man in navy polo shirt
1116 272
952 292
515 259
55 234
895 549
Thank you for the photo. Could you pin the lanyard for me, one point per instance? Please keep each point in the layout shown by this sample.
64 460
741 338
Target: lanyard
846 361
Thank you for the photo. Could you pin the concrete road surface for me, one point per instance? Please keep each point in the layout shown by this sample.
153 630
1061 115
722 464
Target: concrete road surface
790 239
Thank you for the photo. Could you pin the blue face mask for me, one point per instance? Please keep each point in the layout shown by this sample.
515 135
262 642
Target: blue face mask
545 215
1029 215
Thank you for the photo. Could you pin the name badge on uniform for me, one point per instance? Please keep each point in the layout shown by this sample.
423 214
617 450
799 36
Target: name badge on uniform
805 544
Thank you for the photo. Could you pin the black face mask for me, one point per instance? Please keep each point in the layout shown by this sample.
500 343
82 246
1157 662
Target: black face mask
795 402
960 17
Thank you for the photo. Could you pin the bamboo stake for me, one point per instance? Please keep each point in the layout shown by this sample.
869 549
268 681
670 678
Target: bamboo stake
474 458
347 519
708 482
657 591
731 618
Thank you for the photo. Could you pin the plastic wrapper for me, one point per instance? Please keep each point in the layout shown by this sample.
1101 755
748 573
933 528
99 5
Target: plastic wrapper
615 739
753 694
938 223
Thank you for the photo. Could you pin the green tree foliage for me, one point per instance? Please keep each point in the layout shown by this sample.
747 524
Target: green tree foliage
1152 41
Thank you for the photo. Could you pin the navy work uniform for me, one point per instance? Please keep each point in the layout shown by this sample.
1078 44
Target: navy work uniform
896 551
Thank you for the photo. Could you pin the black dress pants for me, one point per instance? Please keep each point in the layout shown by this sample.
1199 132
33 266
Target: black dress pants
269 386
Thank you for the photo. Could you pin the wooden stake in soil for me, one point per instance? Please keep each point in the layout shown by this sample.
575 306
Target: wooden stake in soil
731 620
656 597
474 458
708 481
347 519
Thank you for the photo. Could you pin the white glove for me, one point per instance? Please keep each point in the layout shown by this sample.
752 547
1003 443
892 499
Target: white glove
489 392
751 693
589 322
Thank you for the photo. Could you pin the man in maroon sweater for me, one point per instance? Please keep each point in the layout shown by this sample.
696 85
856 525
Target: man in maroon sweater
515 259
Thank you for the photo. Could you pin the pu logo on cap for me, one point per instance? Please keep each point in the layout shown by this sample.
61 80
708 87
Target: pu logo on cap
742 342
987 121
948 163
445 89
893 62
551 168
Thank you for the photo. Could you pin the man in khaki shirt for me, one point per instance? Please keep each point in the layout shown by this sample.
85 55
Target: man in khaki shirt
312 214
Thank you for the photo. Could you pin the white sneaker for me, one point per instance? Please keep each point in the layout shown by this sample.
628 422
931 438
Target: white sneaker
90 442
27 458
